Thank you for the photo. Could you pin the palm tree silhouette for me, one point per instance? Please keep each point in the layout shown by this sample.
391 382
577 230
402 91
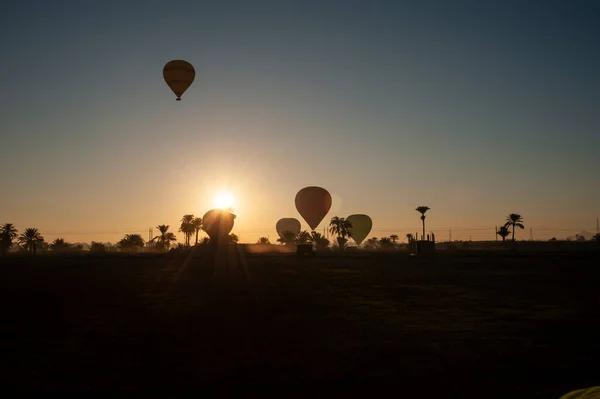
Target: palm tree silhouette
287 238
197 225
59 245
187 227
30 238
340 227
318 240
263 240
514 219
394 238
131 242
503 232
165 238
422 209
8 233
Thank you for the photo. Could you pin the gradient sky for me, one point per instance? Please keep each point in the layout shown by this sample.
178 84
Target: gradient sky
475 109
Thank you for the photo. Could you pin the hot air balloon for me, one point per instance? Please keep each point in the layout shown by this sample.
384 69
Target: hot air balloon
361 227
288 224
313 203
588 393
218 223
179 75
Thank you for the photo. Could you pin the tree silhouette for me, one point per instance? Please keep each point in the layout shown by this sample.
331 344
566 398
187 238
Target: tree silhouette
318 240
8 233
59 245
287 238
596 237
303 237
394 238
131 242
165 238
340 227
197 225
263 240
503 232
514 220
372 244
187 227
97 248
422 209
232 238
386 242
30 238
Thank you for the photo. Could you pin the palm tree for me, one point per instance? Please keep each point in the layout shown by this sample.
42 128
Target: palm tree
263 240
422 209
131 242
372 244
340 227
287 238
514 219
303 237
409 237
394 238
318 240
30 238
503 232
385 242
59 245
187 227
165 238
197 225
8 233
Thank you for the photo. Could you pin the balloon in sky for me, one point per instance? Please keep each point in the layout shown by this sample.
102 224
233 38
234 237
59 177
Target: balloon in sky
313 203
179 75
361 227
218 223
288 224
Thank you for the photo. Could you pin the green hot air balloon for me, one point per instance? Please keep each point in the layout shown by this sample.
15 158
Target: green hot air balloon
313 203
361 227
288 224
179 75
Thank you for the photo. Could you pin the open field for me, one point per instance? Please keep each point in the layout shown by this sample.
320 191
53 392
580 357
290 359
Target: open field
495 325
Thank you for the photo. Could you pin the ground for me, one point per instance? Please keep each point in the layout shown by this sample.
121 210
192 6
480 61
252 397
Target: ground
465 326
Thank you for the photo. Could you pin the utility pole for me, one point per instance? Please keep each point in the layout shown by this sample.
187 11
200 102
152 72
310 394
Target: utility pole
450 235
150 234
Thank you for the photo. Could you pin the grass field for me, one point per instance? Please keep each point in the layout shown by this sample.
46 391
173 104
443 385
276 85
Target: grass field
495 325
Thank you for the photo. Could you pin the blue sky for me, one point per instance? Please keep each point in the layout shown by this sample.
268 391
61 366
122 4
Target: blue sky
476 110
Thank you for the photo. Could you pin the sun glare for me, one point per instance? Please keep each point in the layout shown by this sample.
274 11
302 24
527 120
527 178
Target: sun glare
223 200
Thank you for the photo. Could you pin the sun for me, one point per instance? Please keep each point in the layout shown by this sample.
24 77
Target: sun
223 200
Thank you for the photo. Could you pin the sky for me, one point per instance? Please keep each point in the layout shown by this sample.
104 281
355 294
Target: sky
475 109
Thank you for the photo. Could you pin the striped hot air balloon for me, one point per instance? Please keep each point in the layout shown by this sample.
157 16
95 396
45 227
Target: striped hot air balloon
179 75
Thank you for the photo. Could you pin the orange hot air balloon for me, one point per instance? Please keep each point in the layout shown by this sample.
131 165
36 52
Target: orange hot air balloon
218 223
361 227
313 203
288 224
179 75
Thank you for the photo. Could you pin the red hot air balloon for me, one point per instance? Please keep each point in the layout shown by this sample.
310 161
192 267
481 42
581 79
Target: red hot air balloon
218 223
179 75
313 203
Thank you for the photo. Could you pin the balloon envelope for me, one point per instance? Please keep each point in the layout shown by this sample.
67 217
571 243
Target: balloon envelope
179 75
313 203
288 224
361 227
218 223
588 393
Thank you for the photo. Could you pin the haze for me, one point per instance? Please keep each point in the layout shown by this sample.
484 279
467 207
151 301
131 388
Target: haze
475 110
